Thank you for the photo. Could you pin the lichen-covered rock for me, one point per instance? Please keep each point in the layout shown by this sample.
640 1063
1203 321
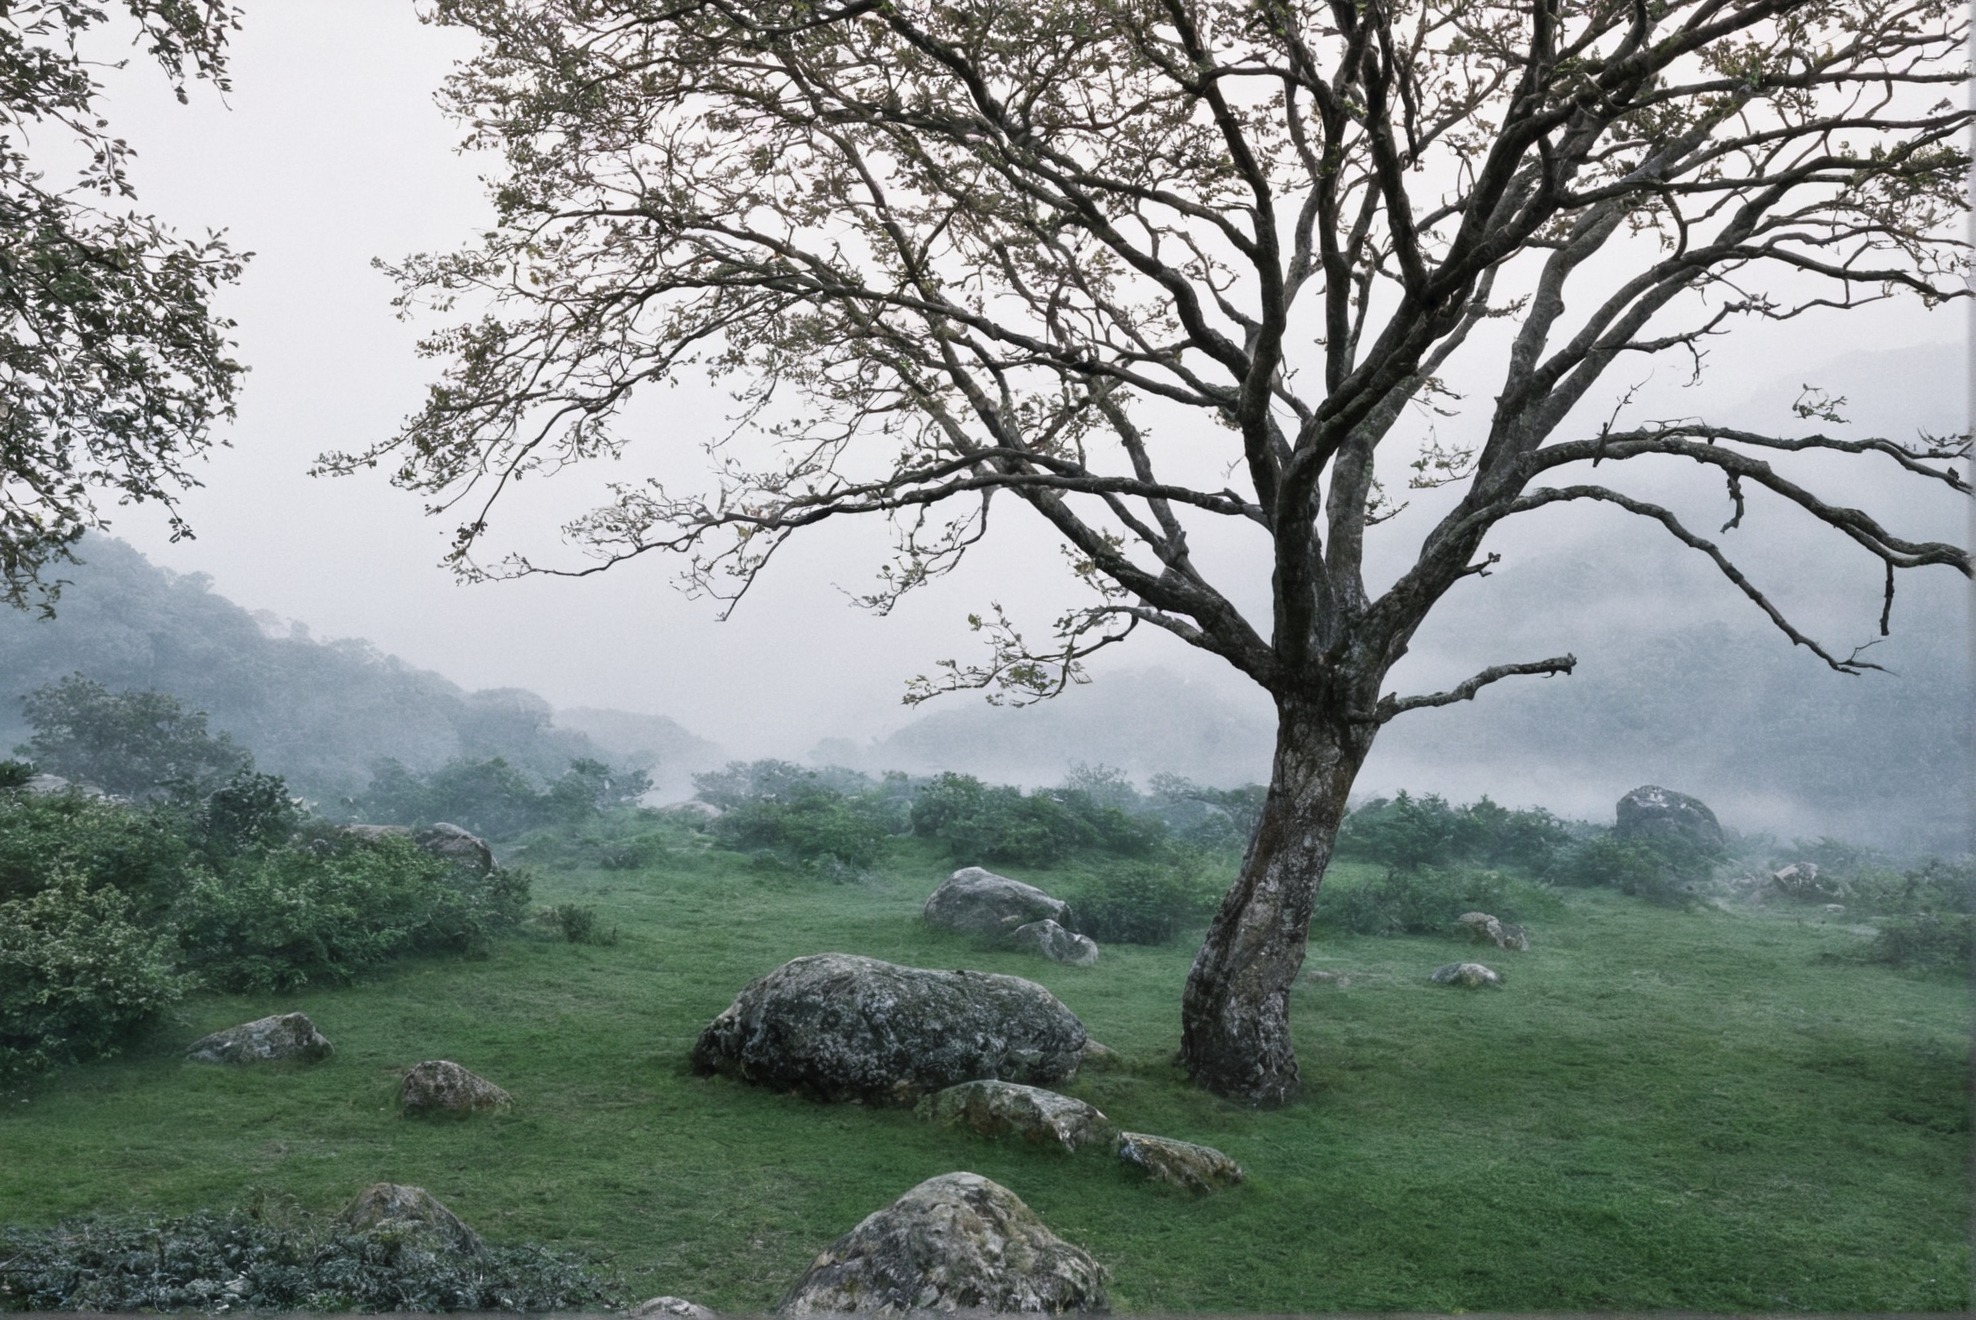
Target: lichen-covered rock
977 902
395 1205
1653 814
996 1109
1468 975
957 1242
264 1040
837 1026
1098 1058
1181 1163
1055 943
1481 926
440 1086
665 1308
450 843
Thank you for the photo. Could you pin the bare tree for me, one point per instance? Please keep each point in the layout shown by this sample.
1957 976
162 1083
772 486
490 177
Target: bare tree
945 250
113 364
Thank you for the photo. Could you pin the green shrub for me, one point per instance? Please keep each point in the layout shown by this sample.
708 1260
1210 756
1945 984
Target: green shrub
1926 941
304 916
1143 902
249 812
1422 901
232 1261
132 743
982 823
141 853
577 923
1663 873
77 976
816 827
15 774
1407 832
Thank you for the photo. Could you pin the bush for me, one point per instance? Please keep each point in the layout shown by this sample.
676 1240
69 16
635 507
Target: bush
1143 903
1422 901
980 823
130 743
816 827
1926 941
143 854
233 1261
305 917
577 924
1408 832
249 812
77 976
1664 873
1220 818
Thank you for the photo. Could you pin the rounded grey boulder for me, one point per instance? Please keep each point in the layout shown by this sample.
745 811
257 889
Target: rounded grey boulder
409 1209
1467 975
1055 943
977 902
1652 813
264 1040
837 1026
957 1242
450 843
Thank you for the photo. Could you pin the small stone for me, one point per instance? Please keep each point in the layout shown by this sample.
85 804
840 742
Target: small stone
398 1206
264 1040
440 1086
996 1109
1469 975
957 1242
1181 1163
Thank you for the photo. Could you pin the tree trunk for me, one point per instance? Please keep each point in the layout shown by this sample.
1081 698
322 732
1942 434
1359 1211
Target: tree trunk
1235 1014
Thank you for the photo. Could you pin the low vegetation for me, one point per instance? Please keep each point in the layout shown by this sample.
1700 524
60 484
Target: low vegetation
1744 1101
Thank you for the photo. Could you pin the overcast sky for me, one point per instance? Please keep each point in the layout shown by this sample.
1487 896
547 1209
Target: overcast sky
329 152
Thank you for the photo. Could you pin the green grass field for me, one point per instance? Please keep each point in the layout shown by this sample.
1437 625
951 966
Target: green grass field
1696 1110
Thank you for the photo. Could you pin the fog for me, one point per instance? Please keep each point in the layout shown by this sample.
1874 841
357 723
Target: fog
329 152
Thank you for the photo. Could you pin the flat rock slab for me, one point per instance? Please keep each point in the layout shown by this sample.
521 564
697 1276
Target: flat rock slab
838 1026
1181 1163
264 1040
957 1242
440 1086
413 1209
1055 943
667 1308
1466 975
996 1109
977 902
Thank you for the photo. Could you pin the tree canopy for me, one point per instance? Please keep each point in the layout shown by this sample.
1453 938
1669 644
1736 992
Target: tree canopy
1147 265
113 364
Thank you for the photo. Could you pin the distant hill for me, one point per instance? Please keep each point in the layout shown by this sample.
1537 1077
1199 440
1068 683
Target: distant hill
648 741
319 713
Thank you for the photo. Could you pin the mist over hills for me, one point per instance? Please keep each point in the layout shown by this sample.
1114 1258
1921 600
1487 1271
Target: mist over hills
320 713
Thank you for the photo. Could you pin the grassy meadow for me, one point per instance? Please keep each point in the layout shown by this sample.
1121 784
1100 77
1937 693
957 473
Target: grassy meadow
1699 1110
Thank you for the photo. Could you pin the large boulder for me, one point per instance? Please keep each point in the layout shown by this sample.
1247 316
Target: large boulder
977 902
837 1026
1652 814
264 1040
412 1210
957 1242
1055 943
1181 1163
440 1086
450 843
996 1109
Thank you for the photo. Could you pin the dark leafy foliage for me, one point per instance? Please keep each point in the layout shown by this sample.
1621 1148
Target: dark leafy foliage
78 975
494 798
1660 871
136 744
303 916
1406 831
811 825
1144 902
999 823
233 1261
1421 901
141 854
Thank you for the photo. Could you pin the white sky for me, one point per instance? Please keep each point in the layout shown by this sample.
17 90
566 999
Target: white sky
330 152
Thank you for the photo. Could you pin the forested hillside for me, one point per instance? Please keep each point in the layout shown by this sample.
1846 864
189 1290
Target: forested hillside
321 714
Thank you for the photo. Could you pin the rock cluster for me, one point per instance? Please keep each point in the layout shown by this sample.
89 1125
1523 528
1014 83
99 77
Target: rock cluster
956 1242
440 1086
838 1026
1481 926
264 1040
1015 915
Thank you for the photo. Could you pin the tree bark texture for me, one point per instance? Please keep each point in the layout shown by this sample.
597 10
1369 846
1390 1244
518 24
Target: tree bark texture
1235 1013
